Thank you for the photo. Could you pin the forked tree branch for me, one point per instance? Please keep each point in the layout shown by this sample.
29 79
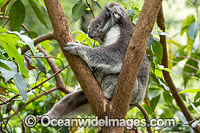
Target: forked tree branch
82 72
119 105
167 77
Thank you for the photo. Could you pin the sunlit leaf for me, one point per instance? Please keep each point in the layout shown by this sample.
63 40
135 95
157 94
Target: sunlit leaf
158 73
188 20
190 91
16 15
8 44
174 43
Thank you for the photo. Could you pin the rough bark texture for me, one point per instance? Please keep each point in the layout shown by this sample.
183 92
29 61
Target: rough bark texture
119 105
134 55
167 77
83 74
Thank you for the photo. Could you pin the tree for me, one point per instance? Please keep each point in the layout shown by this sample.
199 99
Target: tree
93 92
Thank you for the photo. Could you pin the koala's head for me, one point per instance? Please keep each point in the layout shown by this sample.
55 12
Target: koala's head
111 15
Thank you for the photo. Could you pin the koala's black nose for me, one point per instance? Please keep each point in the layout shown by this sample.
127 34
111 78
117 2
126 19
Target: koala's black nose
90 34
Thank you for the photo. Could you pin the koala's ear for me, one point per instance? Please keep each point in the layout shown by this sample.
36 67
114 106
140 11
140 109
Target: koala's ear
116 10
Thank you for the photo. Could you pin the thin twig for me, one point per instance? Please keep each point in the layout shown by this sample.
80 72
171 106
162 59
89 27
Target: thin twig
185 64
90 9
32 100
141 108
38 86
46 57
188 58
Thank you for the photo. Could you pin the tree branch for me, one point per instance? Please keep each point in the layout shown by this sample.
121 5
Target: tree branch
38 40
82 72
167 77
141 108
134 55
32 100
68 90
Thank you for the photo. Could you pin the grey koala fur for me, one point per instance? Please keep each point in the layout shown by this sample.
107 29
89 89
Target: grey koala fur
113 29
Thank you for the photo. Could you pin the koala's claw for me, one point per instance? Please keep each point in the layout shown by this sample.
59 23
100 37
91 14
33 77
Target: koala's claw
72 47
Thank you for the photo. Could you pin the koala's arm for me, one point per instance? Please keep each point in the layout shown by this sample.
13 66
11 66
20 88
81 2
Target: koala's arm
97 57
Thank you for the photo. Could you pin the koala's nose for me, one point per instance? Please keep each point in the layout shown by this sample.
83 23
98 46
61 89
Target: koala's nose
90 34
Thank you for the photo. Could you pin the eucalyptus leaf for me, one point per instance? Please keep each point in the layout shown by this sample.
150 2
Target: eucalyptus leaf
16 15
77 11
8 44
154 102
21 85
190 91
188 20
188 71
40 65
193 30
38 12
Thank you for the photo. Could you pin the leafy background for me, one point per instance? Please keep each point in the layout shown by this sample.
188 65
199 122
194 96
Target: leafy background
19 73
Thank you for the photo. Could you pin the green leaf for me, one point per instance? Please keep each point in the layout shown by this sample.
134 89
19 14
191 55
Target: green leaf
4 66
197 96
8 74
81 37
189 19
38 12
21 85
8 43
193 30
2 30
168 98
16 15
188 71
175 43
77 11
157 51
40 65
26 40
190 44
124 5
159 81
158 73
32 33
190 91
154 102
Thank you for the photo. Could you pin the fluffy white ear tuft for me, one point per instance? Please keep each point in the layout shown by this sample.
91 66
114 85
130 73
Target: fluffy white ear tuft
117 10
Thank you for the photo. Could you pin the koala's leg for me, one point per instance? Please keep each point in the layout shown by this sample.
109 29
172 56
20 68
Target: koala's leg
71 105
97 57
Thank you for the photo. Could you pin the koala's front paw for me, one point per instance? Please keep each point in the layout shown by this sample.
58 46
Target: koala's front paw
72 47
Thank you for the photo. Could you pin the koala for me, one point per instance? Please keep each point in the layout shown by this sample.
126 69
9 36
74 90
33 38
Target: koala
113 29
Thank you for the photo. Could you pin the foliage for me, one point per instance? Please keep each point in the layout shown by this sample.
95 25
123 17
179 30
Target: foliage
19 73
